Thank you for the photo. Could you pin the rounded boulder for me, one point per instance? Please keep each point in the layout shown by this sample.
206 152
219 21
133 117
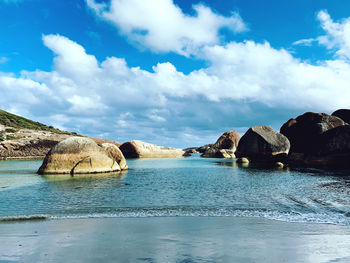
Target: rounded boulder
224 147
262 142
80 155
304 131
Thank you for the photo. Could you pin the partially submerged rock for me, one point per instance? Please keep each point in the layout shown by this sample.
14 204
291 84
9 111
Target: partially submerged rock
263 143
332 149
203 148
139 149
303 131
242 160
79 155
190 150
279 165
115 154
224 147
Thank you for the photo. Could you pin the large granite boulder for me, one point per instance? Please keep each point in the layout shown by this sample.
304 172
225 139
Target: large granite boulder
80 155
115 154
225 146
303 131
139 149
332 149
343 114
263 143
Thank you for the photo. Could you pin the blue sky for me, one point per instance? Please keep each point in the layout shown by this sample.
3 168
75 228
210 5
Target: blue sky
175 73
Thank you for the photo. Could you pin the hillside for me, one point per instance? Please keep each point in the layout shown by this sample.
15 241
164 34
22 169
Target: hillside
11 120
24 138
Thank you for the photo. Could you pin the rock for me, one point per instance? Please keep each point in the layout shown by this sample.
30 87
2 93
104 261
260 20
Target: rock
203 148
190 150
334 141
79 155
343 114
242 160
263 143
139 149
100 141
224 147
279 165
115 154
302 132
330 149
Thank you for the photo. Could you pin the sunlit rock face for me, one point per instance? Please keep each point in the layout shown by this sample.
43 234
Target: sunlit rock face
139 149
224 147
79 155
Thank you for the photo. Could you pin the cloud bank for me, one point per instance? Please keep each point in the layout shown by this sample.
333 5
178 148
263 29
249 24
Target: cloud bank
163 27
245 84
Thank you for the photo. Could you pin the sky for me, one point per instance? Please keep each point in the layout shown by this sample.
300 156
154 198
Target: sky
172 72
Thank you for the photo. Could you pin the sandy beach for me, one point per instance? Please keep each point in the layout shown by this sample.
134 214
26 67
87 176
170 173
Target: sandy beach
173 239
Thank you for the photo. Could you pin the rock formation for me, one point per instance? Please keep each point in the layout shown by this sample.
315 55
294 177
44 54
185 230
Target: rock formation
263 143
26 143
79 155
343 114
203 148
139 149
303 131
224 147
332 149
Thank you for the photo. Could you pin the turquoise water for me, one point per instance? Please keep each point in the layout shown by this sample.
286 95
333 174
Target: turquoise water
177 187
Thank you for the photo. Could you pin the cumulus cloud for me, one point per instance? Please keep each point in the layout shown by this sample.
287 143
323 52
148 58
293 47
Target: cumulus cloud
244 84
337 34
162 26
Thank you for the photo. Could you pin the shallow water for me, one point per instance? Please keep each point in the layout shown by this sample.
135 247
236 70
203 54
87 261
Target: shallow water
177 187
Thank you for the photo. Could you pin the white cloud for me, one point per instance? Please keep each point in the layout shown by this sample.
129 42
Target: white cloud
305 42
71 59
337 34
162 26
245 84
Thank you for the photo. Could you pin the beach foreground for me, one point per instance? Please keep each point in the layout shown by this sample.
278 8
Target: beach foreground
173 239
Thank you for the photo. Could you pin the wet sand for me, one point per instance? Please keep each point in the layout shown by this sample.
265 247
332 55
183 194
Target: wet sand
175 239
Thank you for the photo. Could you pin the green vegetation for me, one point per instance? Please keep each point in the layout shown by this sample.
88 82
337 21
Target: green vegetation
10 130
15 121
11 137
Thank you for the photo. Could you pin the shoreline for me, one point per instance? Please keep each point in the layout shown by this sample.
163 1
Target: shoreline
38 157
173 239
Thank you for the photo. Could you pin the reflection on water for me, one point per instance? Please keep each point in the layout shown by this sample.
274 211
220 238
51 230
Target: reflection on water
178 187
83 177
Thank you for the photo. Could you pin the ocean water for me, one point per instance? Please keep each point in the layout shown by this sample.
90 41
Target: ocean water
190 187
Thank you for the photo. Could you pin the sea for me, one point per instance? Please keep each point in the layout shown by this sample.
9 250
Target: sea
185 187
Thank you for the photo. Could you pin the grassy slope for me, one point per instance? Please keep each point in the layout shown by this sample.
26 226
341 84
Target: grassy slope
18 122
